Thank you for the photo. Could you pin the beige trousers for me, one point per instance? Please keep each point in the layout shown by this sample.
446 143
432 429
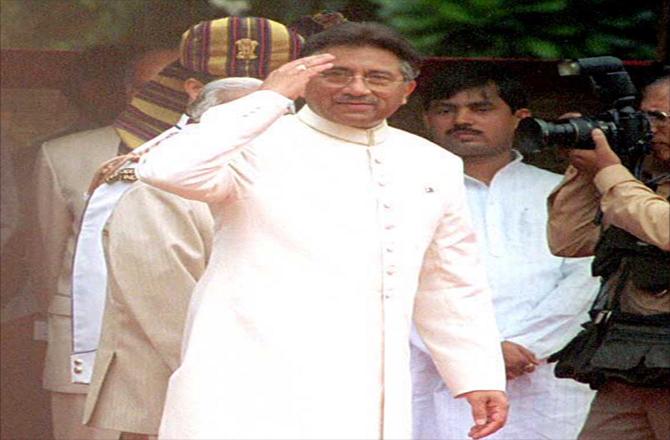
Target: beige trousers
625 412
67 412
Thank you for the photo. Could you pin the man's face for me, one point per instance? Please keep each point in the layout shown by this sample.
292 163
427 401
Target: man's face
361 103
657 98
473 123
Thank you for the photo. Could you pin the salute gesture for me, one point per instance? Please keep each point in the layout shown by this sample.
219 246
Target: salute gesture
291 78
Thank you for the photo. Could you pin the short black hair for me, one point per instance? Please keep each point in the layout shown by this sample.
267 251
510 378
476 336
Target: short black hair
465 75
359 34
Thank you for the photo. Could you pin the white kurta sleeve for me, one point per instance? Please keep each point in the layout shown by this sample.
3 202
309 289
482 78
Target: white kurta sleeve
453 311
194 163
556 318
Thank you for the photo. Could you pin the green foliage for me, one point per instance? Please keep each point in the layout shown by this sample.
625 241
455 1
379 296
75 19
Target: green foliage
76 24
526 28
65 24
471 28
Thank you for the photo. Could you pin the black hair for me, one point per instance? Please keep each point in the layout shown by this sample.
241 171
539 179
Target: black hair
463 76
359 34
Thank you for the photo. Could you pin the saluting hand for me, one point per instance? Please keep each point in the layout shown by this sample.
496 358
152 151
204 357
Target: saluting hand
291 79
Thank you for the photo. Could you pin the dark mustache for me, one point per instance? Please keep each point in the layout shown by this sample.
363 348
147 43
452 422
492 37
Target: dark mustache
354 100
462 129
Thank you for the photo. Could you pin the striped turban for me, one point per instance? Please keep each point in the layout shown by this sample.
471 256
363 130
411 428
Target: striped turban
226 47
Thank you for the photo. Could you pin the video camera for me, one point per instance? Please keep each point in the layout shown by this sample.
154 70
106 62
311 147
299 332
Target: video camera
628 130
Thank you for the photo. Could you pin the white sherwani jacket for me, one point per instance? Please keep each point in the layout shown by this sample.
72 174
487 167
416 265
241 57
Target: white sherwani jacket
327 239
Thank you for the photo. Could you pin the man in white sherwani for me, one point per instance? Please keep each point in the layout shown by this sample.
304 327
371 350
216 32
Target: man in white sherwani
332 231
540 300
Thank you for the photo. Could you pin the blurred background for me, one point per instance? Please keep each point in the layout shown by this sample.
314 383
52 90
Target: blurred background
41 39
470 28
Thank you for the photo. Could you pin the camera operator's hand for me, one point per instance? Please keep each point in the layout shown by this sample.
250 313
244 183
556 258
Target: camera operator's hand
570 115
592 161
518 359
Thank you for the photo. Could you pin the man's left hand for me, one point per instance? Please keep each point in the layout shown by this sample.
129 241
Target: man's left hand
489 410
592 161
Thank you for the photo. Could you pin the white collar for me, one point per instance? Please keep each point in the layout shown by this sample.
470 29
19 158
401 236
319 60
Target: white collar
517 160
369 137
183 120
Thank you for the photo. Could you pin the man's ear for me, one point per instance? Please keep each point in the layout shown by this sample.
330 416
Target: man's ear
522 113
410 86
192 87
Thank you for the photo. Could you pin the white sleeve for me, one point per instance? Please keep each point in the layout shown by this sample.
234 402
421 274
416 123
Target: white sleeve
194 162
453 310
556 319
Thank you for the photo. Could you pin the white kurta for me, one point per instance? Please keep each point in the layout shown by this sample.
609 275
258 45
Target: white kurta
299 327
540 301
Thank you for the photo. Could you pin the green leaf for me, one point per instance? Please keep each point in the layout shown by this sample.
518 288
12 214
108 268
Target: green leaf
541 48
541 7
455 12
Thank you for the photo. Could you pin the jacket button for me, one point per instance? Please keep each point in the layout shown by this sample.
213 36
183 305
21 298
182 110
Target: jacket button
78 369
78 362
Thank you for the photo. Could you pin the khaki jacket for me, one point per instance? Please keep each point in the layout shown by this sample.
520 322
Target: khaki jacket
64 169
157 246
626 203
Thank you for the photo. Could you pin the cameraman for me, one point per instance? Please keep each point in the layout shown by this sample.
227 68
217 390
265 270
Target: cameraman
597 182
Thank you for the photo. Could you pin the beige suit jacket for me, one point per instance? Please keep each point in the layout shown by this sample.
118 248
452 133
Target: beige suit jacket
157 246
64 170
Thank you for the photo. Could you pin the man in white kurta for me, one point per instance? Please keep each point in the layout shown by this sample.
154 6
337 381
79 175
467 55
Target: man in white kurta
539 300
332 230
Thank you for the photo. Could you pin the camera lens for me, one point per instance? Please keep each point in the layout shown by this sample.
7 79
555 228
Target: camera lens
533 134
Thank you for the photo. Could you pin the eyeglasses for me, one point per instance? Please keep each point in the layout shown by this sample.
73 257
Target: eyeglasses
373 80
659 118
